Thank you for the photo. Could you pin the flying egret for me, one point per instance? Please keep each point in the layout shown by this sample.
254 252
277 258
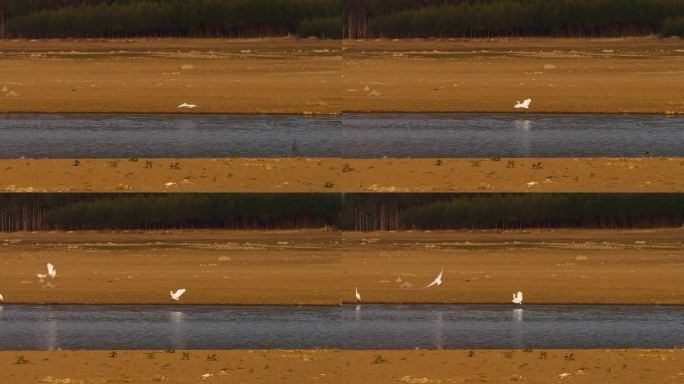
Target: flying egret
358 296
524 105
188 106
52 272
438 280
517 298
176 296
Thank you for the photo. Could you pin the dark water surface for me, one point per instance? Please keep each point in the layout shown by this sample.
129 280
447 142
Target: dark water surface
352 135
34 327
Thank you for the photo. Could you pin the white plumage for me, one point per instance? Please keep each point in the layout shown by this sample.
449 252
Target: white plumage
2 299
187 106
517 298
51 271
524 105
437 281
358 296
175 296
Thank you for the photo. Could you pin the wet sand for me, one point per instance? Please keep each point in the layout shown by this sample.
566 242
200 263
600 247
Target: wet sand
321 267
344 175
277 75
626 75
330 366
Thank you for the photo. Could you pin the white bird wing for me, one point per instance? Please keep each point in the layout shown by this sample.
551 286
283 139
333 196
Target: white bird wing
182 105
437 280
51 269
526 103
179 293
2 299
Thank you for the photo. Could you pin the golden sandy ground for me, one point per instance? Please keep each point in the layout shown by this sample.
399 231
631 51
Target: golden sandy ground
628 75
330 366
222 267
321 267
345 175
635 75
551 267
155 76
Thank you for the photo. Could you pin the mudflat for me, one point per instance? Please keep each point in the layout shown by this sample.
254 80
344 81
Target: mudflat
344 175
315 267
331 366
620 75
279 75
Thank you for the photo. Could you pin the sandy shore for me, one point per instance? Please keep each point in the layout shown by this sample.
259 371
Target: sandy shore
319 267
155 76
550 267
328 366
221 267
629 75
345 175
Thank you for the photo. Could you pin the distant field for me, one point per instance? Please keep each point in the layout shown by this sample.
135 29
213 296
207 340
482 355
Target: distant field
620 75
145 75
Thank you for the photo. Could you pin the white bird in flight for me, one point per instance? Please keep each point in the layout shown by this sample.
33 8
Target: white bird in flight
524 105
176 296
51 271
517 298
437 281
358 296
188 106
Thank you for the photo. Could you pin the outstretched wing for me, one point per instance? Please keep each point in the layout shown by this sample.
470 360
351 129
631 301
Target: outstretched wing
437 279
180 292
527 102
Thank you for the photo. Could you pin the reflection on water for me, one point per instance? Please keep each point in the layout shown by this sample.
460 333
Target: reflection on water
352 135
348 327
522 125
177 329
518 315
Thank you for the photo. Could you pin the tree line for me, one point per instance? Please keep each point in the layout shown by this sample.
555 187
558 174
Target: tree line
171 18
485 18
353 212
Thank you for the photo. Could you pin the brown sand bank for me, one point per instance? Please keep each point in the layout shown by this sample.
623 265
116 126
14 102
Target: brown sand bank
345 175
626 75
607 267
320 267
329 366
495 366
155 76
216 267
